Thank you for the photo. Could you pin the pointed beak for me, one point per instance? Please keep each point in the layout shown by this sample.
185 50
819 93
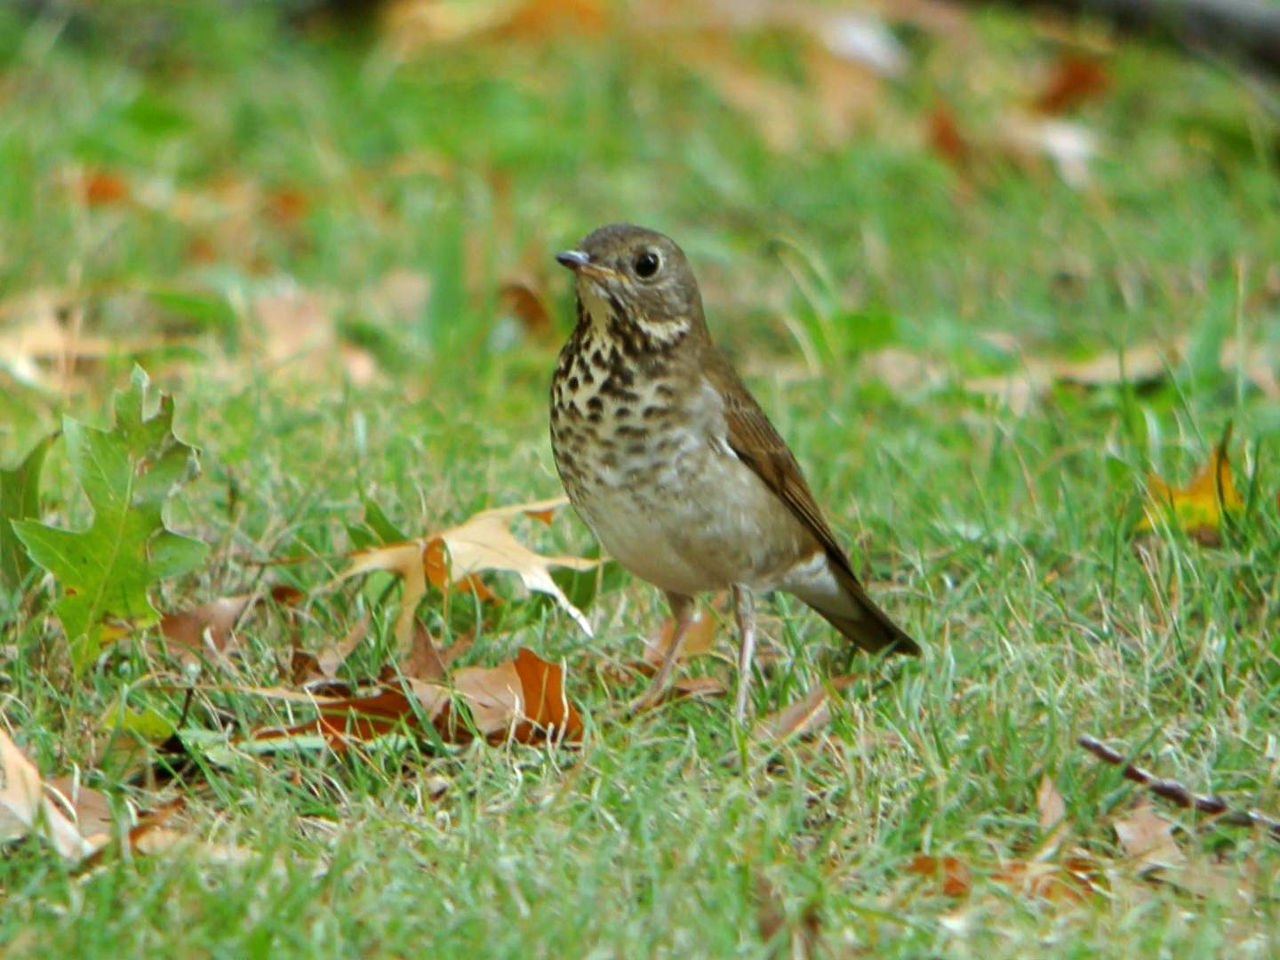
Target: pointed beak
573 259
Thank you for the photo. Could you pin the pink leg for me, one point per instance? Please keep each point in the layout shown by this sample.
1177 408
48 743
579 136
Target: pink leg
744 608
682 608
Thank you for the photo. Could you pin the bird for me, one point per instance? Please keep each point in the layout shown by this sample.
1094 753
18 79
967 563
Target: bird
674 466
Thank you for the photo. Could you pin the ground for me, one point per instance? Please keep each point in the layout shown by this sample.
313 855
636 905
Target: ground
333 245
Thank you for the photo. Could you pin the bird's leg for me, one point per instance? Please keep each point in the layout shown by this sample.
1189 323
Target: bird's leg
682 609
744 609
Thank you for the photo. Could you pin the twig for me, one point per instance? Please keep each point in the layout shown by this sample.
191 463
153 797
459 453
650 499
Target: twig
1179 795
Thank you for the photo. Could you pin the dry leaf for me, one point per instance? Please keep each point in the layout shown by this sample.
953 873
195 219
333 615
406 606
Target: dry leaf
485 542
699 638
806 716
1068 145
209 625
522 700
771 920
1199 507
89 809
951 873
406 560
944 136
1053 817
455 555
520 300
26 809
1075 80
1148 840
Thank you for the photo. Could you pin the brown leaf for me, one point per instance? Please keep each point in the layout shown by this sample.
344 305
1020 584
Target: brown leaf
1075 80
547 711
454 556
944 137
541 20
209 625
485 542
424 661
951 873
771 921
89 808
287 206
101 188
519 299
699 638
25 808
805 716
1053 818
1147 838
522 700
322 666
1049 881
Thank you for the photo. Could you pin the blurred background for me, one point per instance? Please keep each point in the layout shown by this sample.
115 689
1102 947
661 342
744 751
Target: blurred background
355 191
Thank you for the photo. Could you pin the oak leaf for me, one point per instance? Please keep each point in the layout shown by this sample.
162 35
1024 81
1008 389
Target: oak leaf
1200 507
128 474
455 555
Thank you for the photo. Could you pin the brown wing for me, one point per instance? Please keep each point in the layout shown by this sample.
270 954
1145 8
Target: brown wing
760 446
754 439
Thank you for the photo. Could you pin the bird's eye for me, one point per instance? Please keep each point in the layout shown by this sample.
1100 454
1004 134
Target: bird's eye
647 264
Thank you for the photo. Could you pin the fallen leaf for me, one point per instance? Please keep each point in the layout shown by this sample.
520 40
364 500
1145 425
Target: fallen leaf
951 873
321 667
1053 817
806 715
209 625
485 542
101 188
521 301
88 808
797 939
25 808
522 700
1198 508
1074 881
699 638
1147 838
1070 146
1075 80
942 132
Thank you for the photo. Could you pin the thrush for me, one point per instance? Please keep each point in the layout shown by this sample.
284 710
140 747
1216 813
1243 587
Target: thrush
673 465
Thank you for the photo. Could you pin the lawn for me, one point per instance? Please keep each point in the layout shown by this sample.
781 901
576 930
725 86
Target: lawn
987 288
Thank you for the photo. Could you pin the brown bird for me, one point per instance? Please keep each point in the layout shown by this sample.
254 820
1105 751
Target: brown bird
672 463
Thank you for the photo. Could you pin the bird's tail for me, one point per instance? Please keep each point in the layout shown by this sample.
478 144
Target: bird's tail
830 588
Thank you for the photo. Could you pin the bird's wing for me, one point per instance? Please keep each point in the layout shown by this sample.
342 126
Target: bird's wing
757 444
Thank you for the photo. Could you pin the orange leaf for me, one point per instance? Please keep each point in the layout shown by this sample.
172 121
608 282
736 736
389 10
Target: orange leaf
435 564
951 873
1199 507
547 711
521 301
699 638
1075 80
944 136
99 188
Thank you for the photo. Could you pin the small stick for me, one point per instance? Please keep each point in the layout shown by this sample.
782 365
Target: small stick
1179 795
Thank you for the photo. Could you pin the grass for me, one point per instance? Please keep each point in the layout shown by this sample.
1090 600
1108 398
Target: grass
1001 539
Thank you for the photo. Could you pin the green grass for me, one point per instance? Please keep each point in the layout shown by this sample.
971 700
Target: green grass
1001 540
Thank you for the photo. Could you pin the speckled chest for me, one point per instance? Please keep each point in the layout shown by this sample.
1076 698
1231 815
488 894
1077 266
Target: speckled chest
615 414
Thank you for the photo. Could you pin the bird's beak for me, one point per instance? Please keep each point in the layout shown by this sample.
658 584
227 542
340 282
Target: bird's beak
573 259
582 265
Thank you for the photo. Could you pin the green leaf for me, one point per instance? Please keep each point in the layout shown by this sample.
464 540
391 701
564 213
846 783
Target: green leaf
127 473
19 499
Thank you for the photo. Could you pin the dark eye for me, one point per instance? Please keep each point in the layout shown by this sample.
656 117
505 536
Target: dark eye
647 264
